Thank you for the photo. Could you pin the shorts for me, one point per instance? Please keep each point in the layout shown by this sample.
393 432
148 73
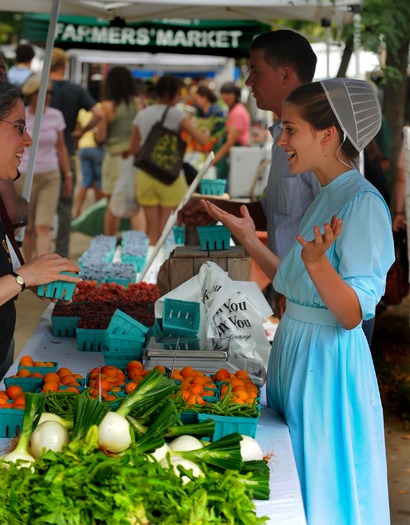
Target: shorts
91 160
45 192
152 192
111 167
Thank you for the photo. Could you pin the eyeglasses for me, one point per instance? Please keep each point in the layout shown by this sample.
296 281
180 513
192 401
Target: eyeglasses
18 126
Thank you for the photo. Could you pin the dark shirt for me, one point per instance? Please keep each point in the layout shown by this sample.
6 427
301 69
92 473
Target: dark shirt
69 98
8 309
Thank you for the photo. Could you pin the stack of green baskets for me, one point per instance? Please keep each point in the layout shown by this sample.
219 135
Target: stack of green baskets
124 340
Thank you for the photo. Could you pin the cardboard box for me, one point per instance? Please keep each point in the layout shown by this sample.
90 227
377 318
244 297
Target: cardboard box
185 261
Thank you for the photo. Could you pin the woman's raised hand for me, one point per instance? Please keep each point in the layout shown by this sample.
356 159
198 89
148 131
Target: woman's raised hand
243 228
315 249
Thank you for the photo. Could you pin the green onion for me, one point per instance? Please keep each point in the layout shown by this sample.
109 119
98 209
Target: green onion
147 395
88 414
225 453
34 406
257 478
203 428
154 437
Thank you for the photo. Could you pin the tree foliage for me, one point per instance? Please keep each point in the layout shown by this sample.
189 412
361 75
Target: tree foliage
386 27
10 27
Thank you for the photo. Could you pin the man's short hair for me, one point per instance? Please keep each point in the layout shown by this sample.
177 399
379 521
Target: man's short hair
24 53
285 47
59 59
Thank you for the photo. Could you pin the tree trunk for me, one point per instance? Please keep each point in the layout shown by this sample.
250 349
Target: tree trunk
394 104
347 54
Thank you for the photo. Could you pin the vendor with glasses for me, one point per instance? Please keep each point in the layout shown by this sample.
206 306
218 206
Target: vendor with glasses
15 140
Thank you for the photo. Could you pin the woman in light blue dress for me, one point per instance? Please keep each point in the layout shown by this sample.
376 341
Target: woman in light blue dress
320 374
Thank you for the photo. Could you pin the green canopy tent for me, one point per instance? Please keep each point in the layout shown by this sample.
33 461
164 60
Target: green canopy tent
228 38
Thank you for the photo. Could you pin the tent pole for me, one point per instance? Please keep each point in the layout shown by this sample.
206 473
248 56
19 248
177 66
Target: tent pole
28 183
41 98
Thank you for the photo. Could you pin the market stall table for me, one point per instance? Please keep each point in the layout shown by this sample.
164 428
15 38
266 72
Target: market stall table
285 506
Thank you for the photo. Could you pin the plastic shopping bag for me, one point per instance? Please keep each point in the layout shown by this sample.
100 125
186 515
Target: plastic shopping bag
123 202
229 309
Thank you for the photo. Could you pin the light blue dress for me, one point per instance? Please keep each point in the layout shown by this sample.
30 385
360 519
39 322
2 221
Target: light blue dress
321 376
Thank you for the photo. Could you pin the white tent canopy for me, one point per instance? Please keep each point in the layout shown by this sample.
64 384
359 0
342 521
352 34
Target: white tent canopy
339 11
160 62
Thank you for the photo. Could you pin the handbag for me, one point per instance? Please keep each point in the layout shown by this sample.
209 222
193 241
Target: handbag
397 280
123 203
162 153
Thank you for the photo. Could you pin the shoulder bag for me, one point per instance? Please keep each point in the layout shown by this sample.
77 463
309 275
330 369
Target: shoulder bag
397 282
162 153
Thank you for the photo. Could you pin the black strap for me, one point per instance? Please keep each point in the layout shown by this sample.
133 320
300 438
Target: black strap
5 219
165 114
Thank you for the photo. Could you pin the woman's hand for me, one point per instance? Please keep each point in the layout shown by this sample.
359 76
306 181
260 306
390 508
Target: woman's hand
194 214
244 231
243 228
47 268
314 250
399 222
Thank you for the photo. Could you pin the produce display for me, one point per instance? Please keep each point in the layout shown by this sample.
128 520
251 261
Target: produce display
130 460
95 303
34 376
102 263
170 443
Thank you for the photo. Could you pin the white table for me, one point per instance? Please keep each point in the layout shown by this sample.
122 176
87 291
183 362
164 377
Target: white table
285 506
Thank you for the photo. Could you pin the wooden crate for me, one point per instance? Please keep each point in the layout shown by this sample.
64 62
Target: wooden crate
185 261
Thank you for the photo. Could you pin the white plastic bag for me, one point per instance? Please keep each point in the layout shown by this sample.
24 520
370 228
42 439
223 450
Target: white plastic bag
123 202
232 309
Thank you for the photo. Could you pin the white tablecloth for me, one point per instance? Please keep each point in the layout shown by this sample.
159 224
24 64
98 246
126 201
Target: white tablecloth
285 506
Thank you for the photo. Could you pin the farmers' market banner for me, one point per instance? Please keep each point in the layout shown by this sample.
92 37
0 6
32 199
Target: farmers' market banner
210 37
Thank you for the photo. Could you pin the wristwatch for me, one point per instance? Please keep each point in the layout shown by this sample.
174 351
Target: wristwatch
19 279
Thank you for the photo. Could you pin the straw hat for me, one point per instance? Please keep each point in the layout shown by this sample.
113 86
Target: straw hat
31 85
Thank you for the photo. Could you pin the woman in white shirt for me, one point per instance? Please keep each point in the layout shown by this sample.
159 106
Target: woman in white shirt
51 153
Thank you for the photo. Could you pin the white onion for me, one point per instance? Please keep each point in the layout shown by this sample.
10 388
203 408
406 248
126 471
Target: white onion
250 449
48 416
114 433
184 443
160 453
186 463
15 455
49 435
